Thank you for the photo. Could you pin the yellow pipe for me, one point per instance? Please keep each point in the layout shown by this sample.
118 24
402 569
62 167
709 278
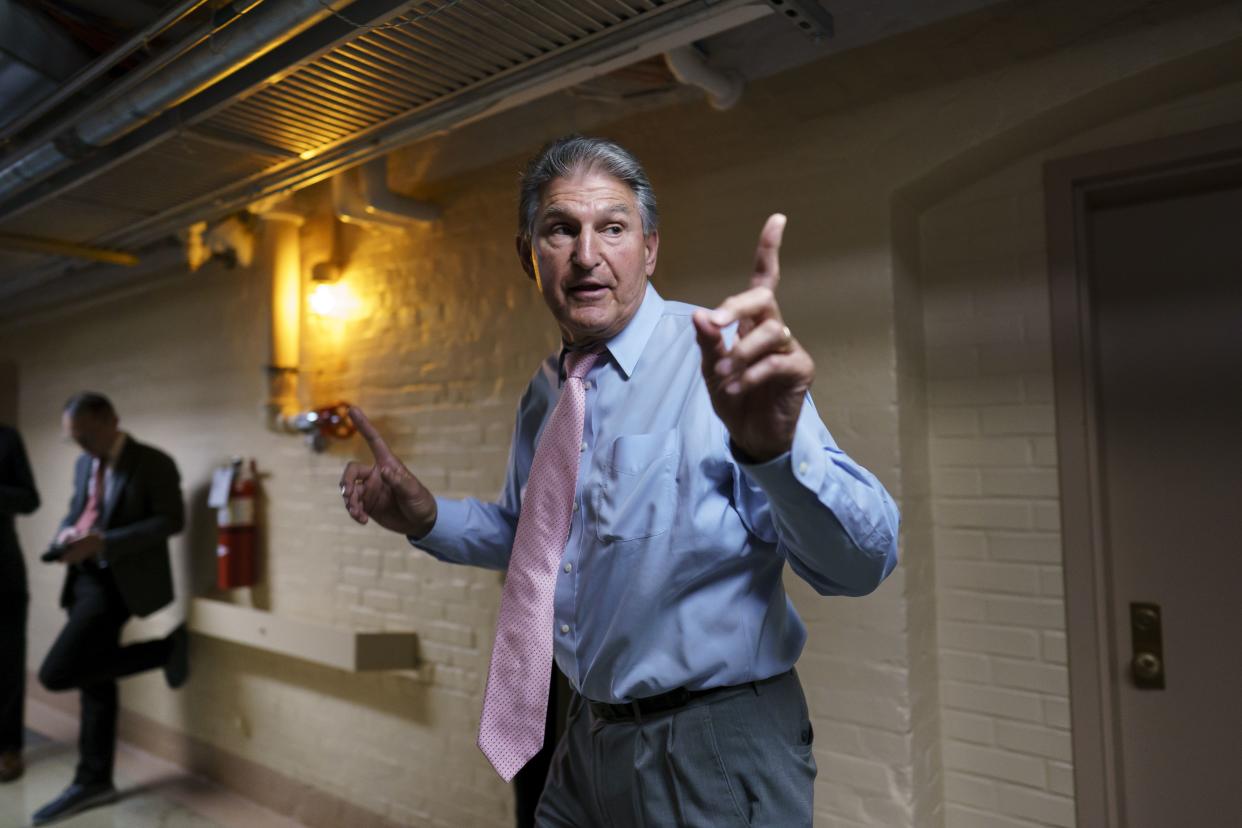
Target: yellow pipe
282 252
286 289
55 247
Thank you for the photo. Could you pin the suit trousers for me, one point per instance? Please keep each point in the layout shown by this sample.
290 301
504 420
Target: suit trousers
740 756
88 655
13 612
529 781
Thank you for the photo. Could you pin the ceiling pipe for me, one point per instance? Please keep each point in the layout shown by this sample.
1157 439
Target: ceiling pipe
361 196
56 247
267 25
35 56
102 64
645 38
724 89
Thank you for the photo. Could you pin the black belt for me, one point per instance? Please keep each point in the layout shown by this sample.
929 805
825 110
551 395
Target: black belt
672 700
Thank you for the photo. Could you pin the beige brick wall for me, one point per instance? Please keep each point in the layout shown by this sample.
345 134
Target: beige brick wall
1001 620
913 272
1002 638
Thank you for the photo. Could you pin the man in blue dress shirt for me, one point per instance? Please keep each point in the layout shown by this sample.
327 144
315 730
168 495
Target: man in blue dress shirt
704 470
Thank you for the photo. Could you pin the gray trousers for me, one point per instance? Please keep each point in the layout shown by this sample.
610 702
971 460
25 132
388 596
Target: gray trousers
738 757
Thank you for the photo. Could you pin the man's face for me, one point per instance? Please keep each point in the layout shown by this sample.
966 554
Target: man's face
589 256
94 434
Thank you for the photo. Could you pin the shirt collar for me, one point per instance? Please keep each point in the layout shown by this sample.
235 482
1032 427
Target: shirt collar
118 445
627 346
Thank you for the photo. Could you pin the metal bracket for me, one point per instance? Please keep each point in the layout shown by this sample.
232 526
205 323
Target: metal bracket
808 16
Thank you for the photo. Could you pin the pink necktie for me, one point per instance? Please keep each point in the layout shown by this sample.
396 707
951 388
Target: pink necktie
94 503
516 700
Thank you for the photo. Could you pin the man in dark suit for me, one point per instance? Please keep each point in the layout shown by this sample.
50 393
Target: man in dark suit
126 503
18 496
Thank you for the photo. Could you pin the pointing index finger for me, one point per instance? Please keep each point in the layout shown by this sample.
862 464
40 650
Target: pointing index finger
378 447
767 271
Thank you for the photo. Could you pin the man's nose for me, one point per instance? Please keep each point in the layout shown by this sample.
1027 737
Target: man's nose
586 250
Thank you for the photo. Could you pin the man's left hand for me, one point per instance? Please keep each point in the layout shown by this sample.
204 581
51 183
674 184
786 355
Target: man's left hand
757 387
88 546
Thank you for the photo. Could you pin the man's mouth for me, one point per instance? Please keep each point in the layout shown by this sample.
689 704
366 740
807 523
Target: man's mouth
587 291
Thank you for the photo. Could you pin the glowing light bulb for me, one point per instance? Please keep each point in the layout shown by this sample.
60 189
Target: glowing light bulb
333 300
325 300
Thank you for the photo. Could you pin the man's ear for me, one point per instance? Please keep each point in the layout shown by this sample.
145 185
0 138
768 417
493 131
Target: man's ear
523 253
651 243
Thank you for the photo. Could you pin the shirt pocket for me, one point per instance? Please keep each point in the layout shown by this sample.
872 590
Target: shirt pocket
637 493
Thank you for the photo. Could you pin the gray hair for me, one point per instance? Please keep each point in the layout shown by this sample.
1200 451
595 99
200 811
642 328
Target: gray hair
566 156
89 402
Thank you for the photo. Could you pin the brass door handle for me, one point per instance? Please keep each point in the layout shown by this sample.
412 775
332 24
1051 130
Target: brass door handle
1145 666
1147 646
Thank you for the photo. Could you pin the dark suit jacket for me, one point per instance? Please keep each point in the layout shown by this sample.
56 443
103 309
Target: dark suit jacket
18 496
142 508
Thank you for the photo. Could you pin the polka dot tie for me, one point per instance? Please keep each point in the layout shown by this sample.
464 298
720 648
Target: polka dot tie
516 700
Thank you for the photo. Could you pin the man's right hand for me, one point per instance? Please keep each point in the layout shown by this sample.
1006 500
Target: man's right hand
385 491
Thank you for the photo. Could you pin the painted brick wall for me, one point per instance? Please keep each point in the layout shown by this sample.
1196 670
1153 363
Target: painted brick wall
450 333
1004 681
956 663
1004 685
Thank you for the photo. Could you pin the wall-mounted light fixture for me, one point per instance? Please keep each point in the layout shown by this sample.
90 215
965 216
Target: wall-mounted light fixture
281 252
329 296
361 198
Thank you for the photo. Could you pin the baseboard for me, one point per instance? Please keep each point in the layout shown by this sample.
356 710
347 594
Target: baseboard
273 790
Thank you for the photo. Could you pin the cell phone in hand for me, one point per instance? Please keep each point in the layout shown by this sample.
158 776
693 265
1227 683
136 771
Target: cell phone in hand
54 552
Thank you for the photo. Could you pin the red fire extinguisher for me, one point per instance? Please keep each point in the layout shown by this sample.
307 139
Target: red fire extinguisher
237 535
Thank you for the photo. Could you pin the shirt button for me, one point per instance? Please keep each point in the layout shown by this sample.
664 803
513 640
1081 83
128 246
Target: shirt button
583 447
569 567
802 467
564 628
575 507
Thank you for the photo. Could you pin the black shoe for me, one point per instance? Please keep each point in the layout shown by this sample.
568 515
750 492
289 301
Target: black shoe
75 799
177 668
11 766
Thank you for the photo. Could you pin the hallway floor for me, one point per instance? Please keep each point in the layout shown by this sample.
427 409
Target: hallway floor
152 792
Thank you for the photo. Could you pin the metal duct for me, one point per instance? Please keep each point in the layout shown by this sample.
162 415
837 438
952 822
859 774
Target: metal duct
723 89
34 57
362 196
345 90
266 26
97 68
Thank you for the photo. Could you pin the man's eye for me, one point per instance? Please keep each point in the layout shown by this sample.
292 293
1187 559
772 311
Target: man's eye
559 230
614 229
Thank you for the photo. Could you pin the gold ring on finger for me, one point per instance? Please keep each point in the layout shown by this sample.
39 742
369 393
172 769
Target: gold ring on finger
787 338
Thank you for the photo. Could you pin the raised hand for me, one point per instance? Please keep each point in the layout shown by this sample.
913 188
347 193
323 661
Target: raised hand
385 491
757 386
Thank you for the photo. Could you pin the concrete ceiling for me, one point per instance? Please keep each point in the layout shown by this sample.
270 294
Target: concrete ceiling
295 91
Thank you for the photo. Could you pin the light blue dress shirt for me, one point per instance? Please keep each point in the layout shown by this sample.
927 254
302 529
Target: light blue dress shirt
671 576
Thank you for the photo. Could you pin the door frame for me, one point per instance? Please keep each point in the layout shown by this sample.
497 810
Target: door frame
1071 186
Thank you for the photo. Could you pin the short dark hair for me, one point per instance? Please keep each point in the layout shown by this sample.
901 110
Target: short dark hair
564 157
89 402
